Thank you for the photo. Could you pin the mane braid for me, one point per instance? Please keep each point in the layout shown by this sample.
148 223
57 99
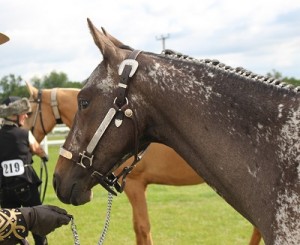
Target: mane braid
240 71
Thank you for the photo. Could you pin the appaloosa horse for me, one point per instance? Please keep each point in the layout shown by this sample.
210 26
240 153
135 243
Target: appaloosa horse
58 105
237 130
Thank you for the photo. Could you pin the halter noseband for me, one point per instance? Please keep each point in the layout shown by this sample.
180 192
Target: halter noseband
120 108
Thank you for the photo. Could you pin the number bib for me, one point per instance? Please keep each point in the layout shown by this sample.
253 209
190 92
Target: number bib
12 167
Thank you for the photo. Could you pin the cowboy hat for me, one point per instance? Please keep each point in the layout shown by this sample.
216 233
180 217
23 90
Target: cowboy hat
3 38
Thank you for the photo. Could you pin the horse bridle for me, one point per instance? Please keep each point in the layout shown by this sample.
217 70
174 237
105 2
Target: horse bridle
38 111
55 110
119 109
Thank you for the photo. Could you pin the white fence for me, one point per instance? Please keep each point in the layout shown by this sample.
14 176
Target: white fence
45 143
58 129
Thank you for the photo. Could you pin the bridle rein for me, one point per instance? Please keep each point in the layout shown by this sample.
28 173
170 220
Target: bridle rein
119 109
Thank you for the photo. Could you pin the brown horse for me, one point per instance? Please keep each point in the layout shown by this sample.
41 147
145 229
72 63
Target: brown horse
156 166
237 130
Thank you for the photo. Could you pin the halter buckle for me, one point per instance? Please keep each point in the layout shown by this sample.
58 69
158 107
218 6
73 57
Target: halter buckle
129 62
85 158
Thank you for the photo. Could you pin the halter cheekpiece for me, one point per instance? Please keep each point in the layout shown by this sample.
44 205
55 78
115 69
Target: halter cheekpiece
120 108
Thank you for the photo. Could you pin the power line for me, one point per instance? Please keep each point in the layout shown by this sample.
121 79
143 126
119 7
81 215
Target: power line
163 39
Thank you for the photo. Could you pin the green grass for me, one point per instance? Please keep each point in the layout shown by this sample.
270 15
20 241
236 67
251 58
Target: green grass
179 215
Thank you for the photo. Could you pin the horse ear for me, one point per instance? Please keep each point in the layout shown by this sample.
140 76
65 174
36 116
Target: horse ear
112 39
106 46
32 90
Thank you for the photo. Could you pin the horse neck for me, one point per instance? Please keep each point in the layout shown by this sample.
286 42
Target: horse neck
212 113
67 104
229 128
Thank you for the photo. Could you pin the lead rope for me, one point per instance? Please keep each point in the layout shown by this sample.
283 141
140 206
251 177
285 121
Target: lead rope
74 231
106 224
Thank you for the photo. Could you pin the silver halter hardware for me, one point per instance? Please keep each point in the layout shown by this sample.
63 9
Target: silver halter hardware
86 156
130 62
118 122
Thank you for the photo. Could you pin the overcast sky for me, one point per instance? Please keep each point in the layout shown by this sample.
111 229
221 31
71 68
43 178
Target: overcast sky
53 35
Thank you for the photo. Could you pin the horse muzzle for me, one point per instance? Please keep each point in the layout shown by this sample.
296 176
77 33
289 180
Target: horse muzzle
74 194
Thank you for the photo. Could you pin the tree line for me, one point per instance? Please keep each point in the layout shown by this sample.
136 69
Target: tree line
14 85
289 80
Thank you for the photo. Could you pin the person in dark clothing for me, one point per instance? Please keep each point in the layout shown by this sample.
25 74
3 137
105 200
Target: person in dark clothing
19 181
17 174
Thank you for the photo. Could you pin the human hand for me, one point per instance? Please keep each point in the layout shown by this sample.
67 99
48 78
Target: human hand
45 158
44 219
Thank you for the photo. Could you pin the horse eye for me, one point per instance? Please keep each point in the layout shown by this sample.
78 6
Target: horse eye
82 104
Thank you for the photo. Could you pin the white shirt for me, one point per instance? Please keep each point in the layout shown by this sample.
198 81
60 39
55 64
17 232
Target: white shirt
31 138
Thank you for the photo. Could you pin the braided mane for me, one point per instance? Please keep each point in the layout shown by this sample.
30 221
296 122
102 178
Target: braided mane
238 70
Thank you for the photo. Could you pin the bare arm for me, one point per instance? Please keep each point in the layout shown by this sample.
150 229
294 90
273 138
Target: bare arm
35 147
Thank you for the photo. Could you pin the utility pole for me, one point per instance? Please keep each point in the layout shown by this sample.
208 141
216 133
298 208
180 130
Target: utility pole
163 39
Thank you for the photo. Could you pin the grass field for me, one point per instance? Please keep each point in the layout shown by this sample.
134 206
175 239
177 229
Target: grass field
179 215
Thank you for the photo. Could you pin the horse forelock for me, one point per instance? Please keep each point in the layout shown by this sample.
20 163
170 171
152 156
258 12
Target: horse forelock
240 71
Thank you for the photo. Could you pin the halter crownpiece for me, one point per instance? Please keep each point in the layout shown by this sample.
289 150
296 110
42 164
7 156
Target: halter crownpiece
126 70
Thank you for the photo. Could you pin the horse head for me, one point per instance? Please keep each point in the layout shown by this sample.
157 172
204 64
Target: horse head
105 129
